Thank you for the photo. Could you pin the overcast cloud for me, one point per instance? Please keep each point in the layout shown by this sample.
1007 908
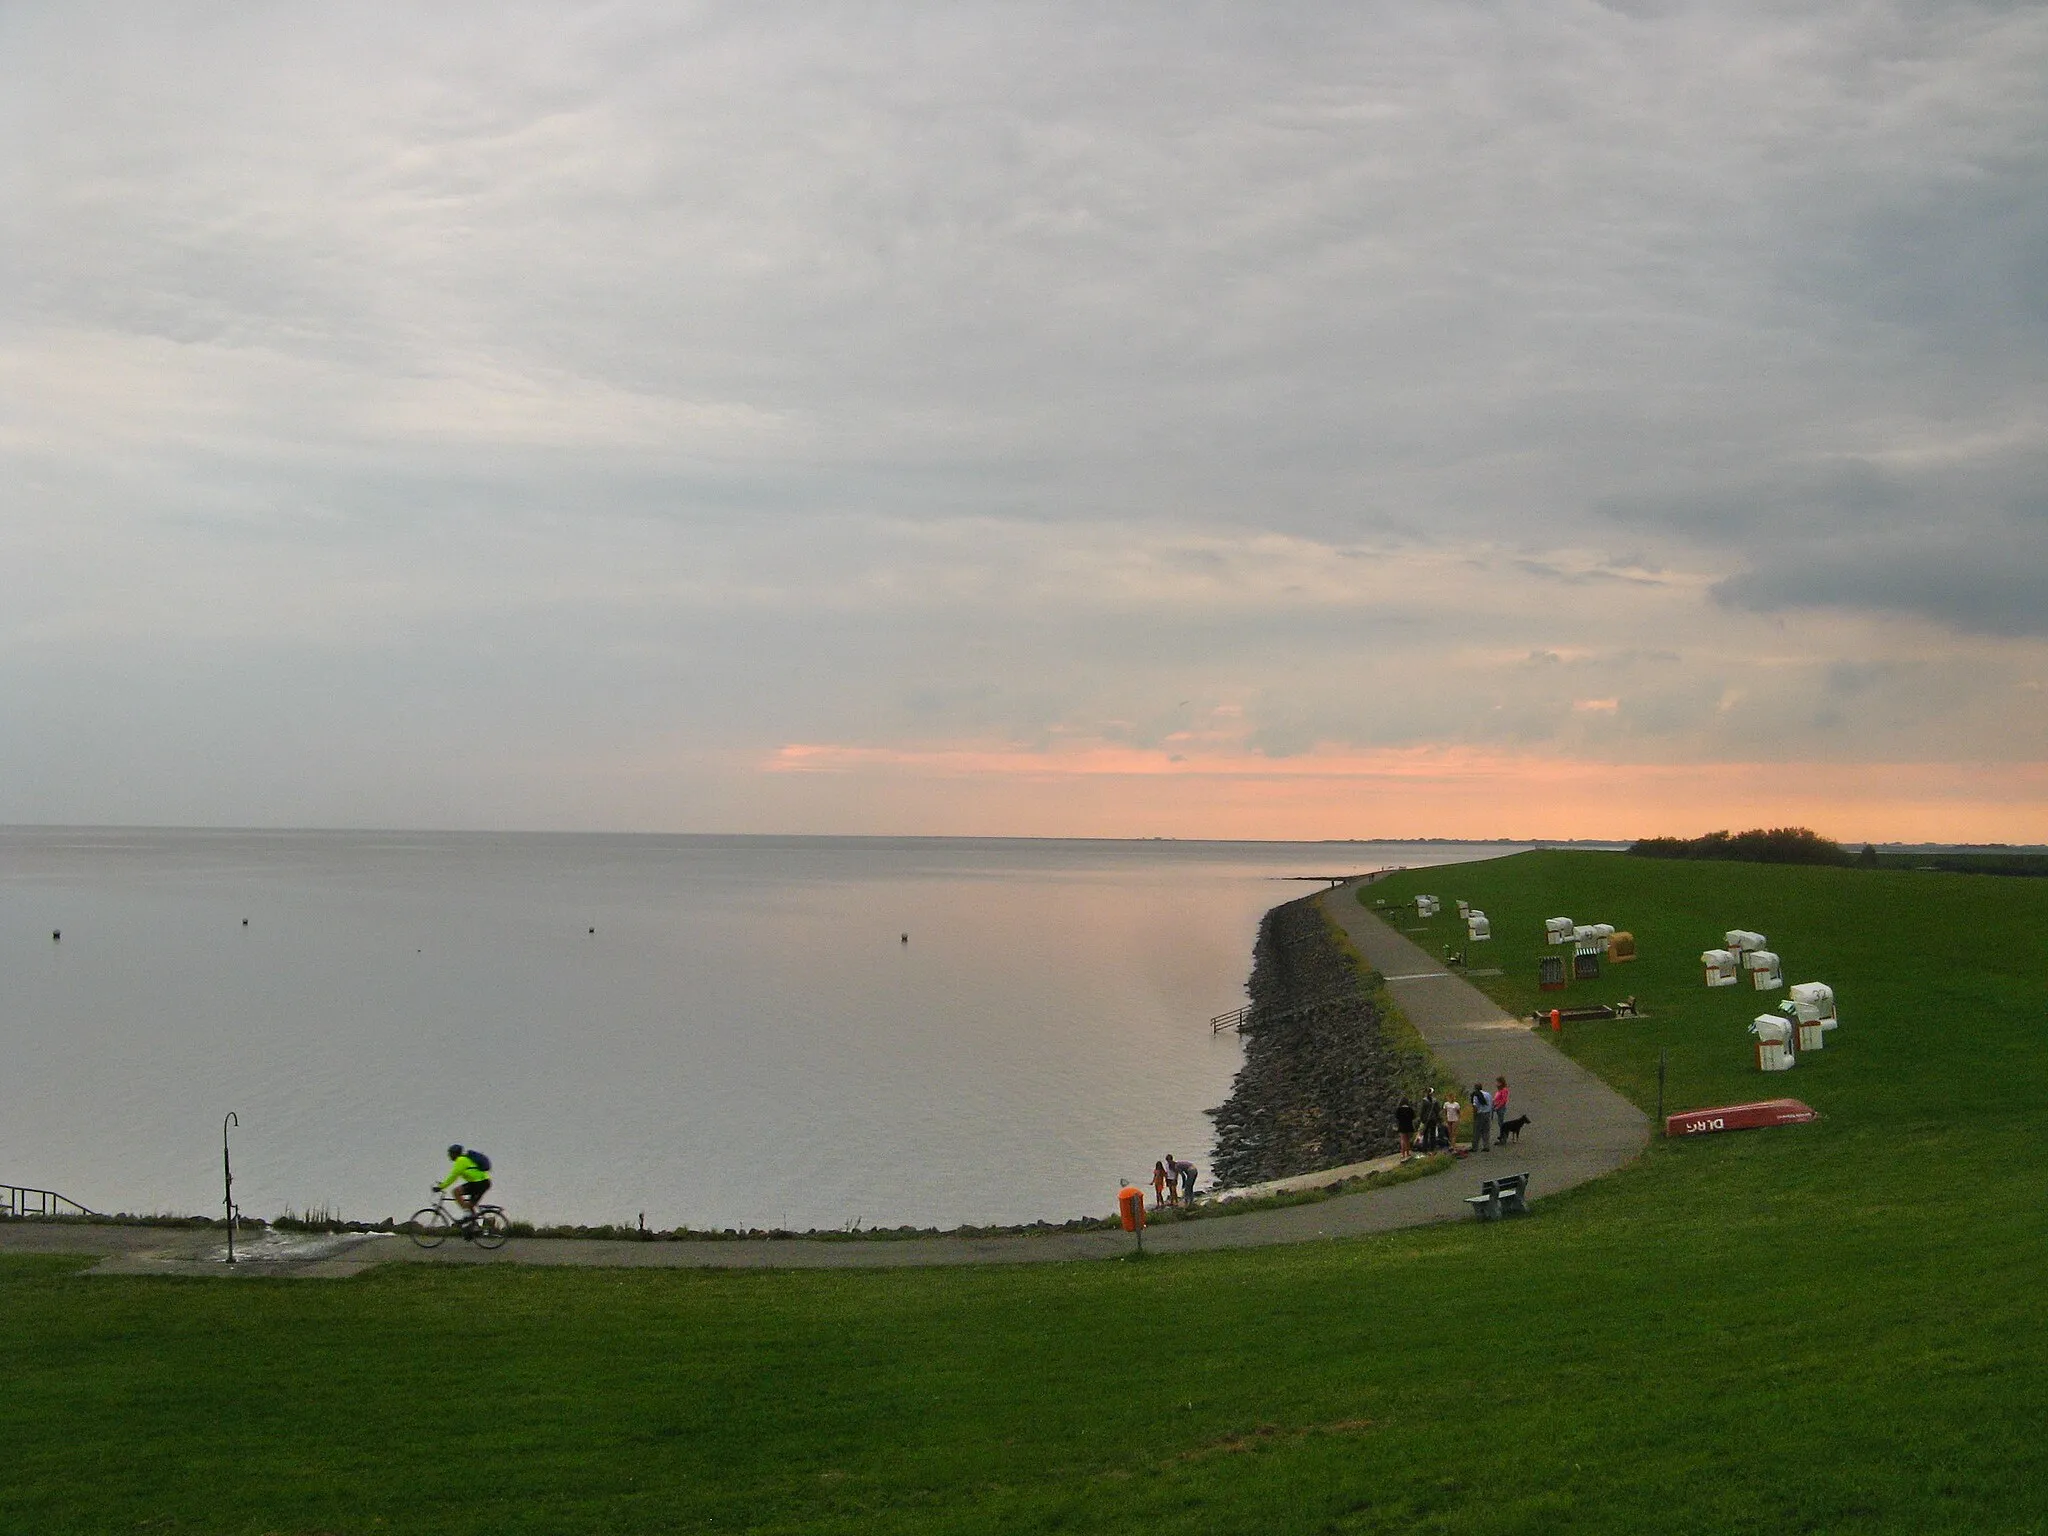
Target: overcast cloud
578 417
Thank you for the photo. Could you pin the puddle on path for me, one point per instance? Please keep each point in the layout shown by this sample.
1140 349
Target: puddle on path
280 1248
297 1255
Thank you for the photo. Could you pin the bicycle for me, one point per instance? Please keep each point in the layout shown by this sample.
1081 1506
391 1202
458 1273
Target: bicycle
431 1224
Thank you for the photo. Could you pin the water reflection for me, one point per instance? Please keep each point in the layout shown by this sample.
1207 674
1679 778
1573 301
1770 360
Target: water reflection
744 1040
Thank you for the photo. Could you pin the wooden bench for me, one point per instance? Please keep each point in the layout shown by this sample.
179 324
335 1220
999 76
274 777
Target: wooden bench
1504 1196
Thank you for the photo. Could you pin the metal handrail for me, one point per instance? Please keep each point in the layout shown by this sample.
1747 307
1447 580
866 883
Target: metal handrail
1237 1018
20 1201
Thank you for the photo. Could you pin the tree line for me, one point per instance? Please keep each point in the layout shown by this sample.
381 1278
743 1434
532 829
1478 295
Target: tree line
1759 845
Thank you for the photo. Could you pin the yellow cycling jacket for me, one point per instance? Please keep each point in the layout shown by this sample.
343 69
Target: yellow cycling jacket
464 1172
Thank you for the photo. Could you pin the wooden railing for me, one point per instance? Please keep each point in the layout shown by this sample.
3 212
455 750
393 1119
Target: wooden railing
18 1200
1237 1018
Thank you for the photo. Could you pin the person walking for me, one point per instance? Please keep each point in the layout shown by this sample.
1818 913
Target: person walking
1158 1186
1451 1116
1432 1119
1404 1124
1482 1121
1500 1108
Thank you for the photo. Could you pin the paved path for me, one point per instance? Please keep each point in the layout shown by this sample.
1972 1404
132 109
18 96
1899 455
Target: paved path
1579 1129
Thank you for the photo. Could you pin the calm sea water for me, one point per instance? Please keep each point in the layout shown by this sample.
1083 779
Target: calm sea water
744 1040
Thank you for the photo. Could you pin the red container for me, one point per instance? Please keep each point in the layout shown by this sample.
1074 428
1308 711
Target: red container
1739 1117
1130 1205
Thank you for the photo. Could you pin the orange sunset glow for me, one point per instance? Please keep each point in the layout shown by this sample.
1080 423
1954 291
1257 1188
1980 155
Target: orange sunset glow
1103 790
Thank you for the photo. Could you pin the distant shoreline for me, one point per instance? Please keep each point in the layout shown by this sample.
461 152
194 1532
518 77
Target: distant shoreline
866 838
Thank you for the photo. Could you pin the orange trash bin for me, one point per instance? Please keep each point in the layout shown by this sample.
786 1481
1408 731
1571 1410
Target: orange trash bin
1130 1205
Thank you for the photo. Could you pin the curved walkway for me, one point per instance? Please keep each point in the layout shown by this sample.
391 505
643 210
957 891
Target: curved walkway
1579 1129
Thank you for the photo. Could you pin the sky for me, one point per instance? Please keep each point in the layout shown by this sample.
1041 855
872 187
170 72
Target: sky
1298 420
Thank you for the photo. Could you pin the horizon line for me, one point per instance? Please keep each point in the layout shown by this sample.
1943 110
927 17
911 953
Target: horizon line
1603 843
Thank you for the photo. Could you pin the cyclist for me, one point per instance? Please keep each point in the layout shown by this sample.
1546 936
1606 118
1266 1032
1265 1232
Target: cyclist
471 1177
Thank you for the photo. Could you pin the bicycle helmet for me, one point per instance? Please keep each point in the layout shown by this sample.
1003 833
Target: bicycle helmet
454 1152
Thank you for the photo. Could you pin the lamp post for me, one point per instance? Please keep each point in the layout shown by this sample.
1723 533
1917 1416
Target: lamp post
227 1173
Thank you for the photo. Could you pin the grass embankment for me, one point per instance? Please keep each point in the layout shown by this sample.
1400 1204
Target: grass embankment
1401 1038
1975 862
1836 1327
1939 978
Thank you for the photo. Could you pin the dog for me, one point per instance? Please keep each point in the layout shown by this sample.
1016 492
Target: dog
1510 1129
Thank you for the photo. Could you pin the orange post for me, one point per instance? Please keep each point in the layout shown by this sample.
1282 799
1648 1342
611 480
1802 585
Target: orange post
1556 1021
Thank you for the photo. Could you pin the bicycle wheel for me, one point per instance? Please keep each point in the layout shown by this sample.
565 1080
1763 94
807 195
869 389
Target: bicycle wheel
430 1226
491 1229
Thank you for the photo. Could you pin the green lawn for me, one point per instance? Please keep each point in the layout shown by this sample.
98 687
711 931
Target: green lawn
1942 980
1832 1328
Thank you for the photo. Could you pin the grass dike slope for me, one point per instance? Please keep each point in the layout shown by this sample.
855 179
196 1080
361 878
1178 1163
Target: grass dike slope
1836 1327
1939 978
